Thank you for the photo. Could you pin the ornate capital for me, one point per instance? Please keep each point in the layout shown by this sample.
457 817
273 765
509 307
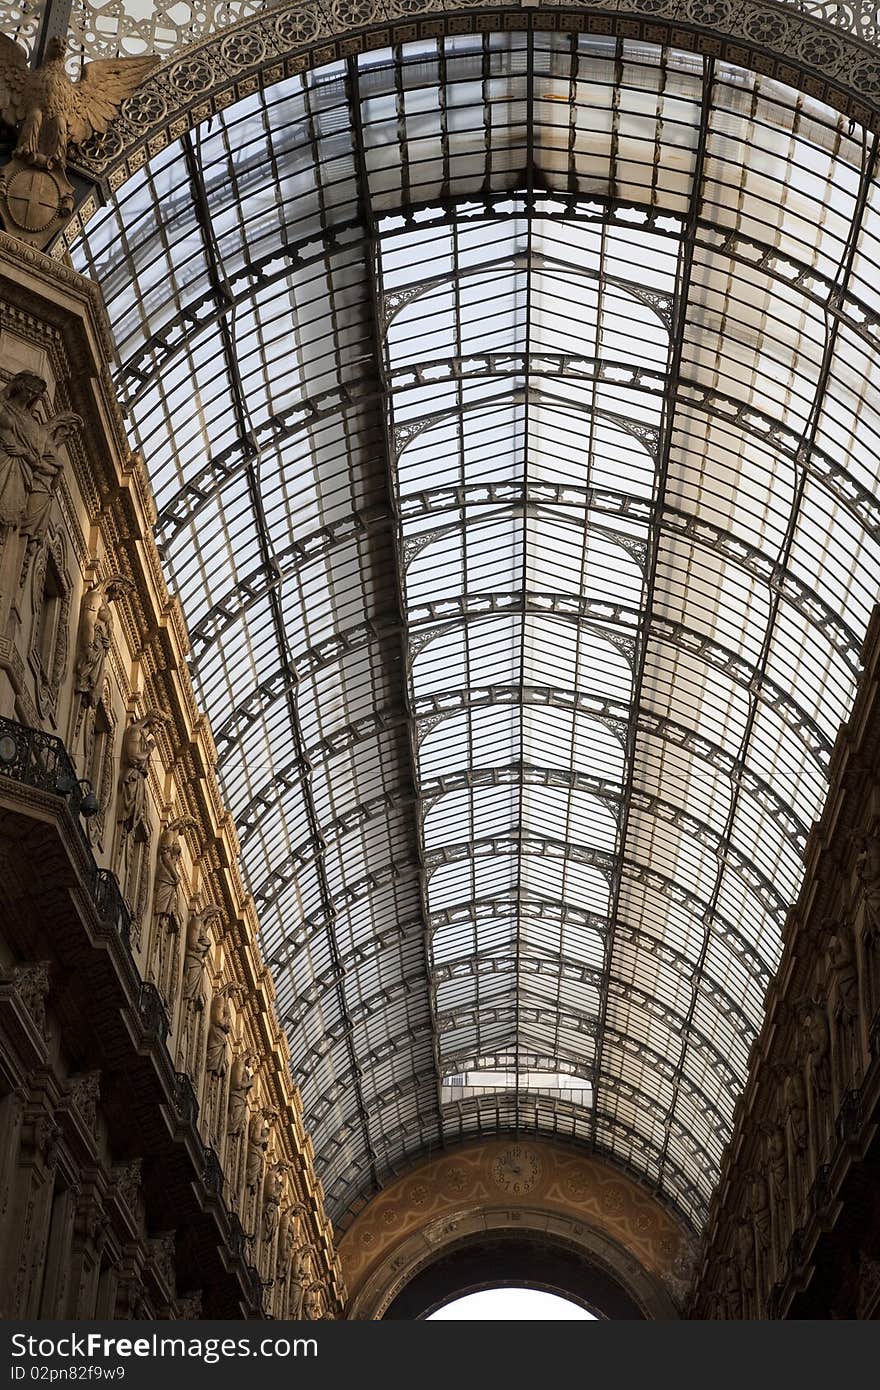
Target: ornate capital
85 1092
31 982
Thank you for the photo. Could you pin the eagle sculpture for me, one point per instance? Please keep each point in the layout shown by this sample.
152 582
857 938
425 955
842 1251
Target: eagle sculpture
50 112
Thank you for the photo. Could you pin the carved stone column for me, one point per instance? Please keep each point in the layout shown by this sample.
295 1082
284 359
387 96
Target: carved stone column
33 1182
89 1235
58 1274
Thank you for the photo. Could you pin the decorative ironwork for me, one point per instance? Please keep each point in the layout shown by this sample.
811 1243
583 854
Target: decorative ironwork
111 905
849 1117
185 1101
212 1175
236 1237
253 1285
152 1011
486 547
37 759
224 39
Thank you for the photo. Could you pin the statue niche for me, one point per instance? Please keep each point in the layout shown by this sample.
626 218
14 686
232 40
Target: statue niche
776 1166
258 1143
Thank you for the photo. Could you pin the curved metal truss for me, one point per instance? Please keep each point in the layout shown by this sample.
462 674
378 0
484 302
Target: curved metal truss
106 29
512 405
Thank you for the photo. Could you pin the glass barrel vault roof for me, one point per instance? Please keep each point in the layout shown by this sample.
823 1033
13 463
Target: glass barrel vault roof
511 404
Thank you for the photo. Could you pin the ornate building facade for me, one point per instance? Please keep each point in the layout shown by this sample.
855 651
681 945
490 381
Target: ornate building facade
154 1159
439 554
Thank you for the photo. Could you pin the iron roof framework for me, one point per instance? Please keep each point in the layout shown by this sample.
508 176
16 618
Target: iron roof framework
511 408
108 29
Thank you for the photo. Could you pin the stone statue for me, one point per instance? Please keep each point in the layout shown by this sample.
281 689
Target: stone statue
313 1309
137 745
776 1167
868 874
198 945
30 465
258 1143
273 1188
845 995
759 1209
218 1033
240 1085
166 892
795 1105
814 1039
95 635
301 1278
289 1238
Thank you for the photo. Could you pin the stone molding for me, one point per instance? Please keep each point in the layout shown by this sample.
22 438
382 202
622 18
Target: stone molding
438 1199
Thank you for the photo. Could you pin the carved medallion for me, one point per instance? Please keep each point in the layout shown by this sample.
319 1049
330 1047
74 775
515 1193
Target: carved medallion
33 199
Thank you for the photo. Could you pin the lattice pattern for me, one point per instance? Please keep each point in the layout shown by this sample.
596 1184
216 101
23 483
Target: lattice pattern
512 408
104 28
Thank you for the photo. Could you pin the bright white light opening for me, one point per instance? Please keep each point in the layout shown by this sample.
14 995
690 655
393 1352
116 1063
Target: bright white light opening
577 1089
511 1305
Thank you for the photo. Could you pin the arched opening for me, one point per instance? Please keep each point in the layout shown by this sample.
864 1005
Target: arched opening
511 1303
519 1263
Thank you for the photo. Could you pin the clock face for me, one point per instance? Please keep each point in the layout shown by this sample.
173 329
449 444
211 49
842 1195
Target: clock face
516 1169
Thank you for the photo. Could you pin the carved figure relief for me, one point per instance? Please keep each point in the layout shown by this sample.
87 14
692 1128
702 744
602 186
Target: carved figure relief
273 1188
30 462
50 596
844 1001
191 1047
166 907
745 1245
776 1166
32 982
868 875
300 1279
198 946
95 636
258 1143
240 1086
313 1308
814 1039
289 1239
137 746
216 1059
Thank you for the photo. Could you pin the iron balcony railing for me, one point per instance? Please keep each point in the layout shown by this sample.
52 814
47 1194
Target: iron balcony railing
37 759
